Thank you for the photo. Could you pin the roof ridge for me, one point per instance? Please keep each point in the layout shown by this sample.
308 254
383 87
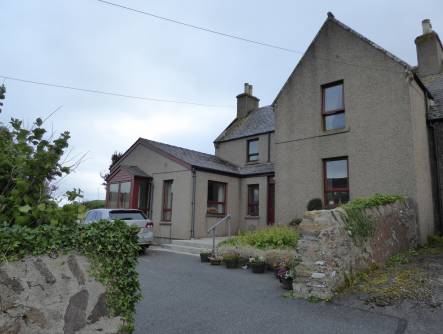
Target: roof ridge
174 146
332 18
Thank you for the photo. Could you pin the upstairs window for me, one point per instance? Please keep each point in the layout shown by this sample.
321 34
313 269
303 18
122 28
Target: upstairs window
216 198
167 201
336 181
253 203
252 150
333 106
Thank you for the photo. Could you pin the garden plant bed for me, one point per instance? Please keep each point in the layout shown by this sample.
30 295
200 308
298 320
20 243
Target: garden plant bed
409 287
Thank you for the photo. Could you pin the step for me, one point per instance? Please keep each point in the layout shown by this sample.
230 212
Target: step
205 243
182 249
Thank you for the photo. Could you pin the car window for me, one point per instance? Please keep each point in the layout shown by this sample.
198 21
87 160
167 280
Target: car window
89 217
126 215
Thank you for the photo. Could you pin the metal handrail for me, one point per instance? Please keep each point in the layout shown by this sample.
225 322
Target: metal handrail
227 220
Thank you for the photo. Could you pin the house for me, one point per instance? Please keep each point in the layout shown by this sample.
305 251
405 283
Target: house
351 120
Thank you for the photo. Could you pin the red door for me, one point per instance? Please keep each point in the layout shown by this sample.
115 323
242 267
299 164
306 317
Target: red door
271 201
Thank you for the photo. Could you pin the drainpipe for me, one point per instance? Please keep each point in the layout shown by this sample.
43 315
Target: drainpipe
193 204
437 176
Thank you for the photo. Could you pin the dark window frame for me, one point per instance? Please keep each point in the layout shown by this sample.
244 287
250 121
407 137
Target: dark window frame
335 111
253 206
223 203
249 154
166 209
326 188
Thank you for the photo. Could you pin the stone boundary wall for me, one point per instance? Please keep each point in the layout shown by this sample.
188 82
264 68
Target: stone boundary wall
53 295
328 254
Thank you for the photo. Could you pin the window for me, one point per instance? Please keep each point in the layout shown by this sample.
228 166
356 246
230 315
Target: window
252 150
144 196
253 191
333 106
167 200
125 191
216 198
126 215
113 195
336 181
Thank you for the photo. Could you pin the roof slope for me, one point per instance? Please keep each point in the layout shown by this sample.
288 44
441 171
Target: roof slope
434 83
206 161
260 120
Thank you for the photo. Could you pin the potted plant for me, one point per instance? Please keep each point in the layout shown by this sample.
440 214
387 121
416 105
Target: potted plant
215 260
231 260
204 255
257 264
286 277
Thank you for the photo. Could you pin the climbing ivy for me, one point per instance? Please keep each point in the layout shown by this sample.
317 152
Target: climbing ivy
359 223
111 247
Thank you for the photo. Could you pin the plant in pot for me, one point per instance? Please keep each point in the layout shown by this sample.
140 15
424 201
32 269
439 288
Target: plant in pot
215 260
205 255
231 260
257 264
286 277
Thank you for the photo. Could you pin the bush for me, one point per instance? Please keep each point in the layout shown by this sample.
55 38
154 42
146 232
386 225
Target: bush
268 238
111 247
315 204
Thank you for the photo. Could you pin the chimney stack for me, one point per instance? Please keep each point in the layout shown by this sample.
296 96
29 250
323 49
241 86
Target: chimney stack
429 51
246 102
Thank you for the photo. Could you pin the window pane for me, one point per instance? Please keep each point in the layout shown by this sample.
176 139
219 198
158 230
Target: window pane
113 195
125 190
336 121
253 200
216 197
335 198
336 174
167 200
333 98
253 146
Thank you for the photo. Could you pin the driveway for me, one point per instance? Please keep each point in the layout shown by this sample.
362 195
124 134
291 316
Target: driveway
182 295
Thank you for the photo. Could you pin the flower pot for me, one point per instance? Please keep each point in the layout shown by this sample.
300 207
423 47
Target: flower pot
258 268
286 283
204 257
215 262
243 261
231 263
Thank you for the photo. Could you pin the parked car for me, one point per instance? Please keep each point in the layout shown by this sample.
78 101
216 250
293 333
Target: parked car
130 217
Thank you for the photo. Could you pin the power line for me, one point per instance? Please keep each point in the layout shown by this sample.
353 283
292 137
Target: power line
243 39
199 28
101 92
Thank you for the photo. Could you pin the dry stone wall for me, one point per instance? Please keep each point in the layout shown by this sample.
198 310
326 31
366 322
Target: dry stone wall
53 295
328 254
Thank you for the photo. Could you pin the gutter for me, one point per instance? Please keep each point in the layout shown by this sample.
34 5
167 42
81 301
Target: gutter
193 204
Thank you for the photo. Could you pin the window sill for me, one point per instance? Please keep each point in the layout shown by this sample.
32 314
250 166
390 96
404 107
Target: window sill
218 215
252 217
334 132
252 162
165 223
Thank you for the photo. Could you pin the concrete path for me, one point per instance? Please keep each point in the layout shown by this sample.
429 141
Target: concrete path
182 295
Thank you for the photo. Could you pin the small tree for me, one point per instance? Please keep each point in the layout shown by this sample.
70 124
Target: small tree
115 157
28 164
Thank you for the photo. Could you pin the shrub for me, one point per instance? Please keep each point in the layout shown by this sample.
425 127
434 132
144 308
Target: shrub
268 238
295 222
315 204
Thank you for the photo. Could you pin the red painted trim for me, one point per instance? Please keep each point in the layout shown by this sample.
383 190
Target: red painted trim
271 201
217 202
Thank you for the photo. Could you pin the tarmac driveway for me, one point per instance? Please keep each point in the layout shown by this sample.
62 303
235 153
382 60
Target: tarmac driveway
182 295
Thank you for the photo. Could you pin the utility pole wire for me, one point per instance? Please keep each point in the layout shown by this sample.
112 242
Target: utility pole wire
200 28
101 92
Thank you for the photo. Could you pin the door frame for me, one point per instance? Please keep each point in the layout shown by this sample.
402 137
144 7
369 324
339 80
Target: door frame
270 220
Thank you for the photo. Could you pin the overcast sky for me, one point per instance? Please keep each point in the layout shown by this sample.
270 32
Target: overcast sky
87 44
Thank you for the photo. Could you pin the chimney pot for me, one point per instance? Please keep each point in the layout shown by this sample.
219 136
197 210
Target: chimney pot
246 102
427 26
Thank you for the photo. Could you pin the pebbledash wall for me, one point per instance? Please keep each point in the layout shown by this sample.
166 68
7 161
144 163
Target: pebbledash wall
328 253
385 139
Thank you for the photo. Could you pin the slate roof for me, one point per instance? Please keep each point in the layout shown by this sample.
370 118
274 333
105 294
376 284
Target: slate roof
434 83
206 161
260 120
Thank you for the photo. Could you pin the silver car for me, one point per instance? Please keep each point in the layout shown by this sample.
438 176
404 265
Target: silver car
130 217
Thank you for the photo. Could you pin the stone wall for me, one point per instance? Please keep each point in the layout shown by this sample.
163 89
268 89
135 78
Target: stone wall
328 254
53 295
